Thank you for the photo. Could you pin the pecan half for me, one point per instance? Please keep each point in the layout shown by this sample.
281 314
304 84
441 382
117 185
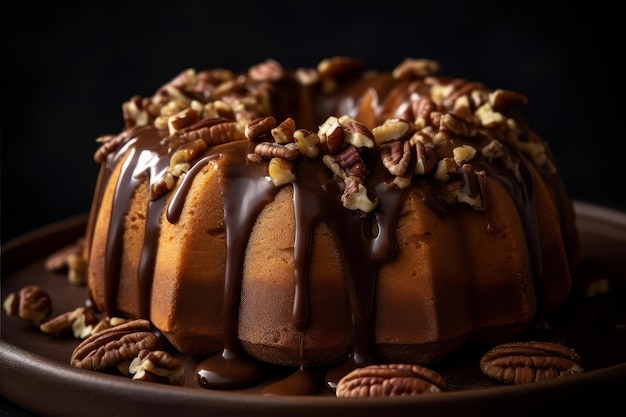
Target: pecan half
523 362
390 380
112 346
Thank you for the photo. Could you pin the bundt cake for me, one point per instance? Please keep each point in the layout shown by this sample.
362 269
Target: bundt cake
328 217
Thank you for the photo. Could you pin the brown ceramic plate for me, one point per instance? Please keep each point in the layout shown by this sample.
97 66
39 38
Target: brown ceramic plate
35 373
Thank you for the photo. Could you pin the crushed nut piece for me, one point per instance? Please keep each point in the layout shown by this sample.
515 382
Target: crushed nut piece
416 68
32 303
391 129
355 196
283 133
281 171
58 260
77 273
157 366
308 142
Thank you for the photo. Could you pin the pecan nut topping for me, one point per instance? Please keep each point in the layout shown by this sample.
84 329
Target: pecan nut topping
115 345
390 380
523 362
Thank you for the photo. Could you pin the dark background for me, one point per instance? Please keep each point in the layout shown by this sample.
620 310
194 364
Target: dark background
67 70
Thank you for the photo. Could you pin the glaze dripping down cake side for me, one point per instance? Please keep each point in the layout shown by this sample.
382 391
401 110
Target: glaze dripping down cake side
317 215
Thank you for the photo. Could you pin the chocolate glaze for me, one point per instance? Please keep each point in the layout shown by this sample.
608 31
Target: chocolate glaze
364 240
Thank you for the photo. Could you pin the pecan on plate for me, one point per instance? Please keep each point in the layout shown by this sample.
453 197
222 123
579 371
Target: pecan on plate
523 362
157 366
390 380
112 346
31 303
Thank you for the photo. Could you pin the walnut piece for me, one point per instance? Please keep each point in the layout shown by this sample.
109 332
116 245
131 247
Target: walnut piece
390 380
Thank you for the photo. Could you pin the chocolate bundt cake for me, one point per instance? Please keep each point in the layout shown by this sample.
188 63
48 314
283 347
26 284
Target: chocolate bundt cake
330 215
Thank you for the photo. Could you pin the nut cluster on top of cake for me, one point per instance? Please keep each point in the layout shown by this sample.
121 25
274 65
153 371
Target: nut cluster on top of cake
199 110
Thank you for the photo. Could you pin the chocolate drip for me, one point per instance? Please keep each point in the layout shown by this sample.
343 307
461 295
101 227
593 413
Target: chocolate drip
523 195
144 157
148 254
245 192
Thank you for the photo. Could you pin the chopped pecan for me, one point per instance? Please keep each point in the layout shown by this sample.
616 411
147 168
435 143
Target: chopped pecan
32 303
281 171
488 116
271 150
463 154
355 196
58 260
80 321
445 168
452 123
260 127
182 119
157 366
223 133
524 362
307 141
391 129
270 70
109 347
505 100
188 152
426 158
77 269
396 156
347 163
390 380
493 149
416 68
338 66
334 138
356 134
283 133
422 106
109 144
